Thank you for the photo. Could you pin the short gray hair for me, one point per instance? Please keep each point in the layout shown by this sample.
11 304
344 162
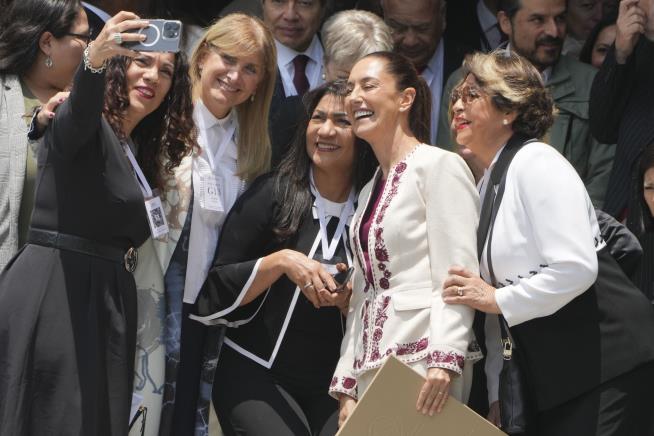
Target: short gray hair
349 35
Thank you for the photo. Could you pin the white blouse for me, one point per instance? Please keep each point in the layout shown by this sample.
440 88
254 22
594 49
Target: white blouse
544 245
206 224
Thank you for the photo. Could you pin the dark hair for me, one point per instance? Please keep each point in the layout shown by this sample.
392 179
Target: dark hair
511 7
23 25
513 84
586 53
640 218
164 136
406 76
291 181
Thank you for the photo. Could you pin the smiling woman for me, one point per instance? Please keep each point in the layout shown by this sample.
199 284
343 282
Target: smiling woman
281 244
416 215
233 75
68 298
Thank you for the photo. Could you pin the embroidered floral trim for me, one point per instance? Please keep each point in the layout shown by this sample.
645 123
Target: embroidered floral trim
381 252
410 348
348 386
358 363
448 360
378 332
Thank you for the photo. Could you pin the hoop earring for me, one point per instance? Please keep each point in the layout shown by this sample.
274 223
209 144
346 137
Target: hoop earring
48 62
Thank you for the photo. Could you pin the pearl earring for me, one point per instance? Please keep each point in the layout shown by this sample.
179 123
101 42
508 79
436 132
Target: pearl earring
324 76
252 97
48 62
505 122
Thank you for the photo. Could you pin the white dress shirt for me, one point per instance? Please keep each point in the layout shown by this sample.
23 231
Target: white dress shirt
285 56
545 240
433 75
206 224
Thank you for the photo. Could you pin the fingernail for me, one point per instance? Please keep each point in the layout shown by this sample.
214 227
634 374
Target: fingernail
431 413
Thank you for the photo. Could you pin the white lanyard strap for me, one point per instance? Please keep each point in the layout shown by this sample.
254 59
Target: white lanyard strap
229 133
145 186
329 248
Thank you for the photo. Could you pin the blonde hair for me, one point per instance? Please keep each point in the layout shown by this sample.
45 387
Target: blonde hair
350 35
513 84
242 35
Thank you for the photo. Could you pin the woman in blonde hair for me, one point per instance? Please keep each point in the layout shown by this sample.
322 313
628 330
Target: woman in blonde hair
233 74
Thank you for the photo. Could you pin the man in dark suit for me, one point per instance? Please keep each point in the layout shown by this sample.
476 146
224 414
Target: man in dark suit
622 99
478 30
417 32
294 25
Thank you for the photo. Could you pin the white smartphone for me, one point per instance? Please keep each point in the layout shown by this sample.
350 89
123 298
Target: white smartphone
160 35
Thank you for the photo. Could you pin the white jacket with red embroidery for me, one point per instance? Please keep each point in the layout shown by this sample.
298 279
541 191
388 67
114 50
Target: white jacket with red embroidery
426 221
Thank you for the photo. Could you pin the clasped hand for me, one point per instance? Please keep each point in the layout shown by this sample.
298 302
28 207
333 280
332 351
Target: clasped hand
317 285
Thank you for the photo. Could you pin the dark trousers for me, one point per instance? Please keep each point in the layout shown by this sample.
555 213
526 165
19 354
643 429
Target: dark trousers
623 406
188 374
249 401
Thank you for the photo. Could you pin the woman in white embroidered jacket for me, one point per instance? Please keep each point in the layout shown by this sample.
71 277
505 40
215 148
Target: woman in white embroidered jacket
416 217
584 340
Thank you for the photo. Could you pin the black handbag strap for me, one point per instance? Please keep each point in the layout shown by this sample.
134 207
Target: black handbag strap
491 204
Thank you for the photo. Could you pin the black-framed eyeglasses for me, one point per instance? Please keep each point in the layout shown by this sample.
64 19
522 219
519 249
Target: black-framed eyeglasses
86 37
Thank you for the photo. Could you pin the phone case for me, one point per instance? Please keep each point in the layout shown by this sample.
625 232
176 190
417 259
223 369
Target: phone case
161 35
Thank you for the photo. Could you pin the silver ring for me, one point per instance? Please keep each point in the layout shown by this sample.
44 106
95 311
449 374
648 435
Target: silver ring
459 291
117 37
308 285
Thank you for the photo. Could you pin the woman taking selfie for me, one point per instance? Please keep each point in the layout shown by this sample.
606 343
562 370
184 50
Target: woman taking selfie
41 45
67 300
272 277
415 217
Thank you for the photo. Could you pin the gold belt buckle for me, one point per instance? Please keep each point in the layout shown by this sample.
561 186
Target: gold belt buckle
131 259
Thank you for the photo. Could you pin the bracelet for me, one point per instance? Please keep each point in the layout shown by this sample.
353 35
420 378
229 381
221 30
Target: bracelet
87 62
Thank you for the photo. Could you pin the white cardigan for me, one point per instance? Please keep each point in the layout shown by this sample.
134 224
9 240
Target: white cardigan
545 239
426 222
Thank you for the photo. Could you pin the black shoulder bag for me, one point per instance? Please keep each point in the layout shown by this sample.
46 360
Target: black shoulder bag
516 406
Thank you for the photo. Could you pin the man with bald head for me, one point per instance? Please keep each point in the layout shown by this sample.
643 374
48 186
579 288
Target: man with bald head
418 27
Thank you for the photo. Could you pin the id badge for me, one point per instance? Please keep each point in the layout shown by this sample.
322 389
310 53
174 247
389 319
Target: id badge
156 217
210 190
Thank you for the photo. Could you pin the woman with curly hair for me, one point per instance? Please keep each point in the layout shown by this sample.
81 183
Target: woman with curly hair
68 299
541 249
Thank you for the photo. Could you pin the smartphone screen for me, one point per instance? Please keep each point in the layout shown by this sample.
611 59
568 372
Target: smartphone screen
342 278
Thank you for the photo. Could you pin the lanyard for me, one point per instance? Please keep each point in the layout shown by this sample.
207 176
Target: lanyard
329 248
145 186
229 133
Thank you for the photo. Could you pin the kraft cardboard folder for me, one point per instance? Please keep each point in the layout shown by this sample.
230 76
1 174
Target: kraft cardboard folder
388 408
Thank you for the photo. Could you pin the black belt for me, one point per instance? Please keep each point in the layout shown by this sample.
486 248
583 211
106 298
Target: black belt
64 241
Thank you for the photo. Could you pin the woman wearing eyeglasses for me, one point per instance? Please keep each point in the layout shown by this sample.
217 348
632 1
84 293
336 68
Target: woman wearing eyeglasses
585 338
41 45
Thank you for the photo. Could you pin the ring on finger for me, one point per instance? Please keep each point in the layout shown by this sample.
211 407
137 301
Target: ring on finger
117 38
459 291
308 285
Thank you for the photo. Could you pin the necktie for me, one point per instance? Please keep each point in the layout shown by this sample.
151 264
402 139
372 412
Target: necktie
299 77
